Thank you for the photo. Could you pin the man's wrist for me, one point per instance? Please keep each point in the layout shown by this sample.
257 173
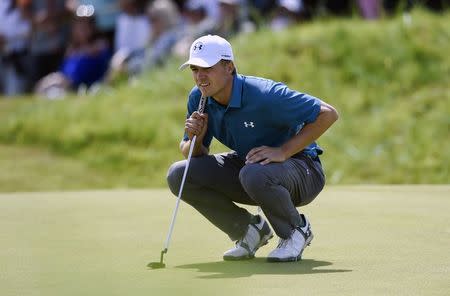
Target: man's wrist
286 152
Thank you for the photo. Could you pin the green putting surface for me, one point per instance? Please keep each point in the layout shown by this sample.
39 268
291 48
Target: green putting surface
369 240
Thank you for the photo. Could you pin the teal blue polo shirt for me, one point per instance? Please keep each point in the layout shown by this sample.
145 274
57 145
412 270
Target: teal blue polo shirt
260 112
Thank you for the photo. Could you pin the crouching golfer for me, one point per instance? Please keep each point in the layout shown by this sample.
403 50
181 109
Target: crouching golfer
274 163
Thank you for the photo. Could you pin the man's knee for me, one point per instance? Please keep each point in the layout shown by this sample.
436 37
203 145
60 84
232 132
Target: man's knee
174 176
254 178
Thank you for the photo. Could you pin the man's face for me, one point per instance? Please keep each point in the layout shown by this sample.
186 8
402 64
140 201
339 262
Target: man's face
215 81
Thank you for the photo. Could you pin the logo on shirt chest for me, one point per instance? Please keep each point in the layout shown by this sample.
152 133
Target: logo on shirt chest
248 124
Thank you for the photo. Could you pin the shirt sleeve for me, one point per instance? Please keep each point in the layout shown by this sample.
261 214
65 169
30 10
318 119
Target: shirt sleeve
292 108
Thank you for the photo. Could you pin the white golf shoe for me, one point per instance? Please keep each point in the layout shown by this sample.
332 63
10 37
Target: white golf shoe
291 249
258 234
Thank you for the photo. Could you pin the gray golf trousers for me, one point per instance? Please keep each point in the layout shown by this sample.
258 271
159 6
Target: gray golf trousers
215 184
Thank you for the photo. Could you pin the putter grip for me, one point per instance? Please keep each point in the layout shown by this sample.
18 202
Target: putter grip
201 105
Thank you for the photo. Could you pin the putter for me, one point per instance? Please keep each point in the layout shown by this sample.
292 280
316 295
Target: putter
160 264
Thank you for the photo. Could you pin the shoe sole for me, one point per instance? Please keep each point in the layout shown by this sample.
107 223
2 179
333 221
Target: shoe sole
263 242
292 259
242 258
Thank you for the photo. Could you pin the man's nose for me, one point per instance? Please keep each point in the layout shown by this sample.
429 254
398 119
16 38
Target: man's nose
201 73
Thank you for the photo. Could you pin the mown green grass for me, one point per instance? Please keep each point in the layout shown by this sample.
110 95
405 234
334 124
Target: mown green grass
388 79
369 240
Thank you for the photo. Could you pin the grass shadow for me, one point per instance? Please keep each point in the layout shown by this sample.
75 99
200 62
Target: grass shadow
238 269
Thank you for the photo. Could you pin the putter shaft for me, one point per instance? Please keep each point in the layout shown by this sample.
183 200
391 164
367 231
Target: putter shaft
201 109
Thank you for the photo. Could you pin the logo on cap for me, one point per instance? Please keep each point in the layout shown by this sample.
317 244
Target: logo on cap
197 47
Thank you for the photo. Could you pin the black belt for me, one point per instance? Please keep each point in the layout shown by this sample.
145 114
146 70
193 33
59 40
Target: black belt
302 155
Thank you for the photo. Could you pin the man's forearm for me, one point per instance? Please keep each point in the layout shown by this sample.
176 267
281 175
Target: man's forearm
199 149
311 132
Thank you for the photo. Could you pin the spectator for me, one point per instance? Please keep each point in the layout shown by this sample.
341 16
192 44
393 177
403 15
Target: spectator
260 10
15 30
105 11
50 30
195 24
166 27
132 28
233 18
211 7
85 63
369 9
286 14
133 31
310 9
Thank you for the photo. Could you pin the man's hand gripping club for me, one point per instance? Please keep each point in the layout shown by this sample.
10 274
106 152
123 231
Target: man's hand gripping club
196 126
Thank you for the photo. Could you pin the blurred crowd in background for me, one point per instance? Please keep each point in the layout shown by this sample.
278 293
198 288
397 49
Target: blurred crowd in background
52 47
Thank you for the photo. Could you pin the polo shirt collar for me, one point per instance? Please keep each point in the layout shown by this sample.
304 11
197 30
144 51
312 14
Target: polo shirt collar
236 92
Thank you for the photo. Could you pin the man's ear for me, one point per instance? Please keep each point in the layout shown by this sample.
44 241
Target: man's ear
230 67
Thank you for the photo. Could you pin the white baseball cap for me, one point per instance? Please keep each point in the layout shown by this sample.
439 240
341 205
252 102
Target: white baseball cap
208 50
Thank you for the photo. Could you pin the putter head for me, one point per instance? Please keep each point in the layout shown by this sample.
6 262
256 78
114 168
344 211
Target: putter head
160 264
156 265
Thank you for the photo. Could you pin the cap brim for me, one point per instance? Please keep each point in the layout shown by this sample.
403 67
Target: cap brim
199 62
